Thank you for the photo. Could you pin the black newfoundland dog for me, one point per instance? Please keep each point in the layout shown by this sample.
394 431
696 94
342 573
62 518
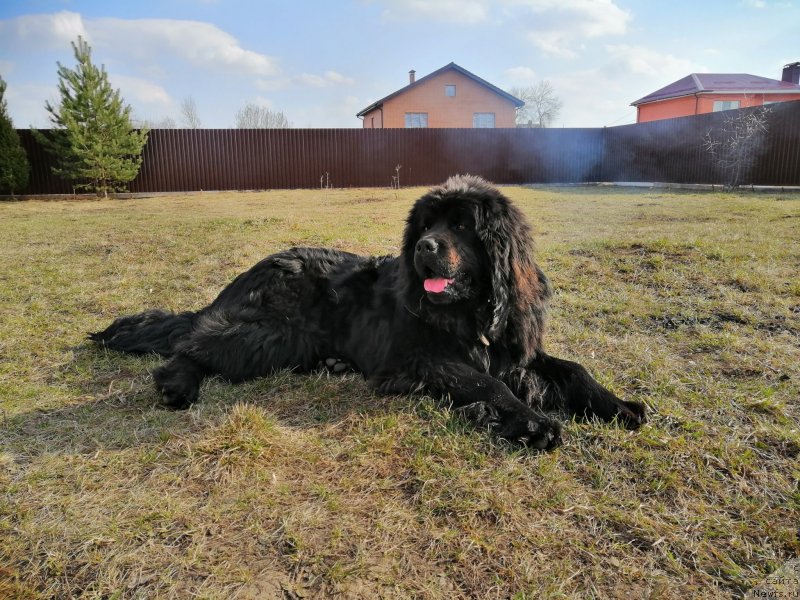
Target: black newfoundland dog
458 315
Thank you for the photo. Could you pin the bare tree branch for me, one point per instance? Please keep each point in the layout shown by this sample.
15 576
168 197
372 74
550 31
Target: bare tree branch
253 116
189 116
542 106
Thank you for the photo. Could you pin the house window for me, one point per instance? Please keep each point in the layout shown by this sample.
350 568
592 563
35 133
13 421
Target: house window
416 120
450 90
725 105
483 120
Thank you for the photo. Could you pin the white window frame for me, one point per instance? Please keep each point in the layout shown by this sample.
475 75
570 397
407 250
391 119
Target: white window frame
416 120
480 120
720 105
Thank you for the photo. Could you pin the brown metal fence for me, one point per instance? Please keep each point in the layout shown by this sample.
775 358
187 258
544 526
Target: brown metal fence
672 150
232 159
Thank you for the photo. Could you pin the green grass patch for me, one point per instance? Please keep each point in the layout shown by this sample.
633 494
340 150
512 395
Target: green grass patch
312 486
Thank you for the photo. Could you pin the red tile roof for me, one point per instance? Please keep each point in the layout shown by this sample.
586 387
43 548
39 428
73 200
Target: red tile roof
720 83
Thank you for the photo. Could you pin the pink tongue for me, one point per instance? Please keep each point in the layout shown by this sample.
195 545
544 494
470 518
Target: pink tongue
437 285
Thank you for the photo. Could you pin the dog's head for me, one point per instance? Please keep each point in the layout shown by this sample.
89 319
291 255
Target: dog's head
466 245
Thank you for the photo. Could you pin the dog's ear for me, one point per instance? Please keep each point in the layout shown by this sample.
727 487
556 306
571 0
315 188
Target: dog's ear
520 289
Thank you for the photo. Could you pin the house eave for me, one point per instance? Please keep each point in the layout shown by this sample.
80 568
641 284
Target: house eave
369 109
716 93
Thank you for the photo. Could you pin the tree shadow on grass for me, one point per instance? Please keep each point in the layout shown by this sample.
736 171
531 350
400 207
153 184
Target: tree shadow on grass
116 405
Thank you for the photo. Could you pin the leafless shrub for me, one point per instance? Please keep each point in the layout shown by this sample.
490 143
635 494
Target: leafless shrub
396 177
737 144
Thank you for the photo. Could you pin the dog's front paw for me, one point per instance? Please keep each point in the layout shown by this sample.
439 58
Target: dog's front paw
608 407
334 365
631 414
529 429
179 389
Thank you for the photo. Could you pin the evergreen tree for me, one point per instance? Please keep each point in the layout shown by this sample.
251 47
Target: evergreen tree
93 139
14 166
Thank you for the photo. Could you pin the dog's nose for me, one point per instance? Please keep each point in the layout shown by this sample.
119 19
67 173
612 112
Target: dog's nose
427 245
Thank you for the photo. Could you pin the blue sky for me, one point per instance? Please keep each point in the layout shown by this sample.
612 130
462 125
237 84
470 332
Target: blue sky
321 62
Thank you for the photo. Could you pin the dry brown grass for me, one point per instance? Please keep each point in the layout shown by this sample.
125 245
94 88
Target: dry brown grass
312 487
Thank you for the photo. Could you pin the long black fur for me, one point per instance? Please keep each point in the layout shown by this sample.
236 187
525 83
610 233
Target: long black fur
477 342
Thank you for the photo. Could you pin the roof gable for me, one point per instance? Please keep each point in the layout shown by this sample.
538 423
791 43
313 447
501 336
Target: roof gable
451 66
719 82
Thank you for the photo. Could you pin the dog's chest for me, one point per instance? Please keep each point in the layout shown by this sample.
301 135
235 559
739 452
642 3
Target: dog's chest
488 358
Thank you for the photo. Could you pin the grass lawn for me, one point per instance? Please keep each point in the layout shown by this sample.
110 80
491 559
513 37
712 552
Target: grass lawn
305 487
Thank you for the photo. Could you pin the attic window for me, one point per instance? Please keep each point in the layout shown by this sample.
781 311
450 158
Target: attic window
450 90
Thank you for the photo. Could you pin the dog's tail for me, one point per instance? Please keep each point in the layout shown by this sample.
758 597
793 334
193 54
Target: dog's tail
151 331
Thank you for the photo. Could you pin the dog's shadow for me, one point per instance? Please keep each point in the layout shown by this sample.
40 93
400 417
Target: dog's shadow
115 406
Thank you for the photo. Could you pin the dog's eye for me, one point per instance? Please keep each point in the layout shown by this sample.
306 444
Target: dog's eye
425 228
460 227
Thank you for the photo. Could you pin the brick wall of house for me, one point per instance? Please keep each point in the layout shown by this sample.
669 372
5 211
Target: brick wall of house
704 103
443 111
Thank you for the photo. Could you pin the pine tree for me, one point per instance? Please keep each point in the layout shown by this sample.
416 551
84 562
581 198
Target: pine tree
14 168
93 139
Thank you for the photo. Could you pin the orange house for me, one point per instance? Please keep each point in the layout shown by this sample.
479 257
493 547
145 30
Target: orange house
700 93
448 97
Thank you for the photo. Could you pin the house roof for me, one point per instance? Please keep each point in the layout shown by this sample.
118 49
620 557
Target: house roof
720 83
513 99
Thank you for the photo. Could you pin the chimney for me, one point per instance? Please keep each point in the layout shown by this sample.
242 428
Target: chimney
412 75
791 73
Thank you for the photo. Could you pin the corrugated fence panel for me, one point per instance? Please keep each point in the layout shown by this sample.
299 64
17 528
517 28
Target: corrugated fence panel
670 150
779 160
673 150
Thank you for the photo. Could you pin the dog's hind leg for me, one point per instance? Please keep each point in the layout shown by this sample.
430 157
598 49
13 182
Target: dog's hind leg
236 349
179 381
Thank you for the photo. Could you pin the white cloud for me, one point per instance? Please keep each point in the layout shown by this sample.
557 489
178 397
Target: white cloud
754 3
261 101
137 53
521 75
328 79
154 71
453 11
559 27
273 85
639 60
147 40
135 90
50 30
338 78
556 27
201 44
26 103
146 45
629 73
333 111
